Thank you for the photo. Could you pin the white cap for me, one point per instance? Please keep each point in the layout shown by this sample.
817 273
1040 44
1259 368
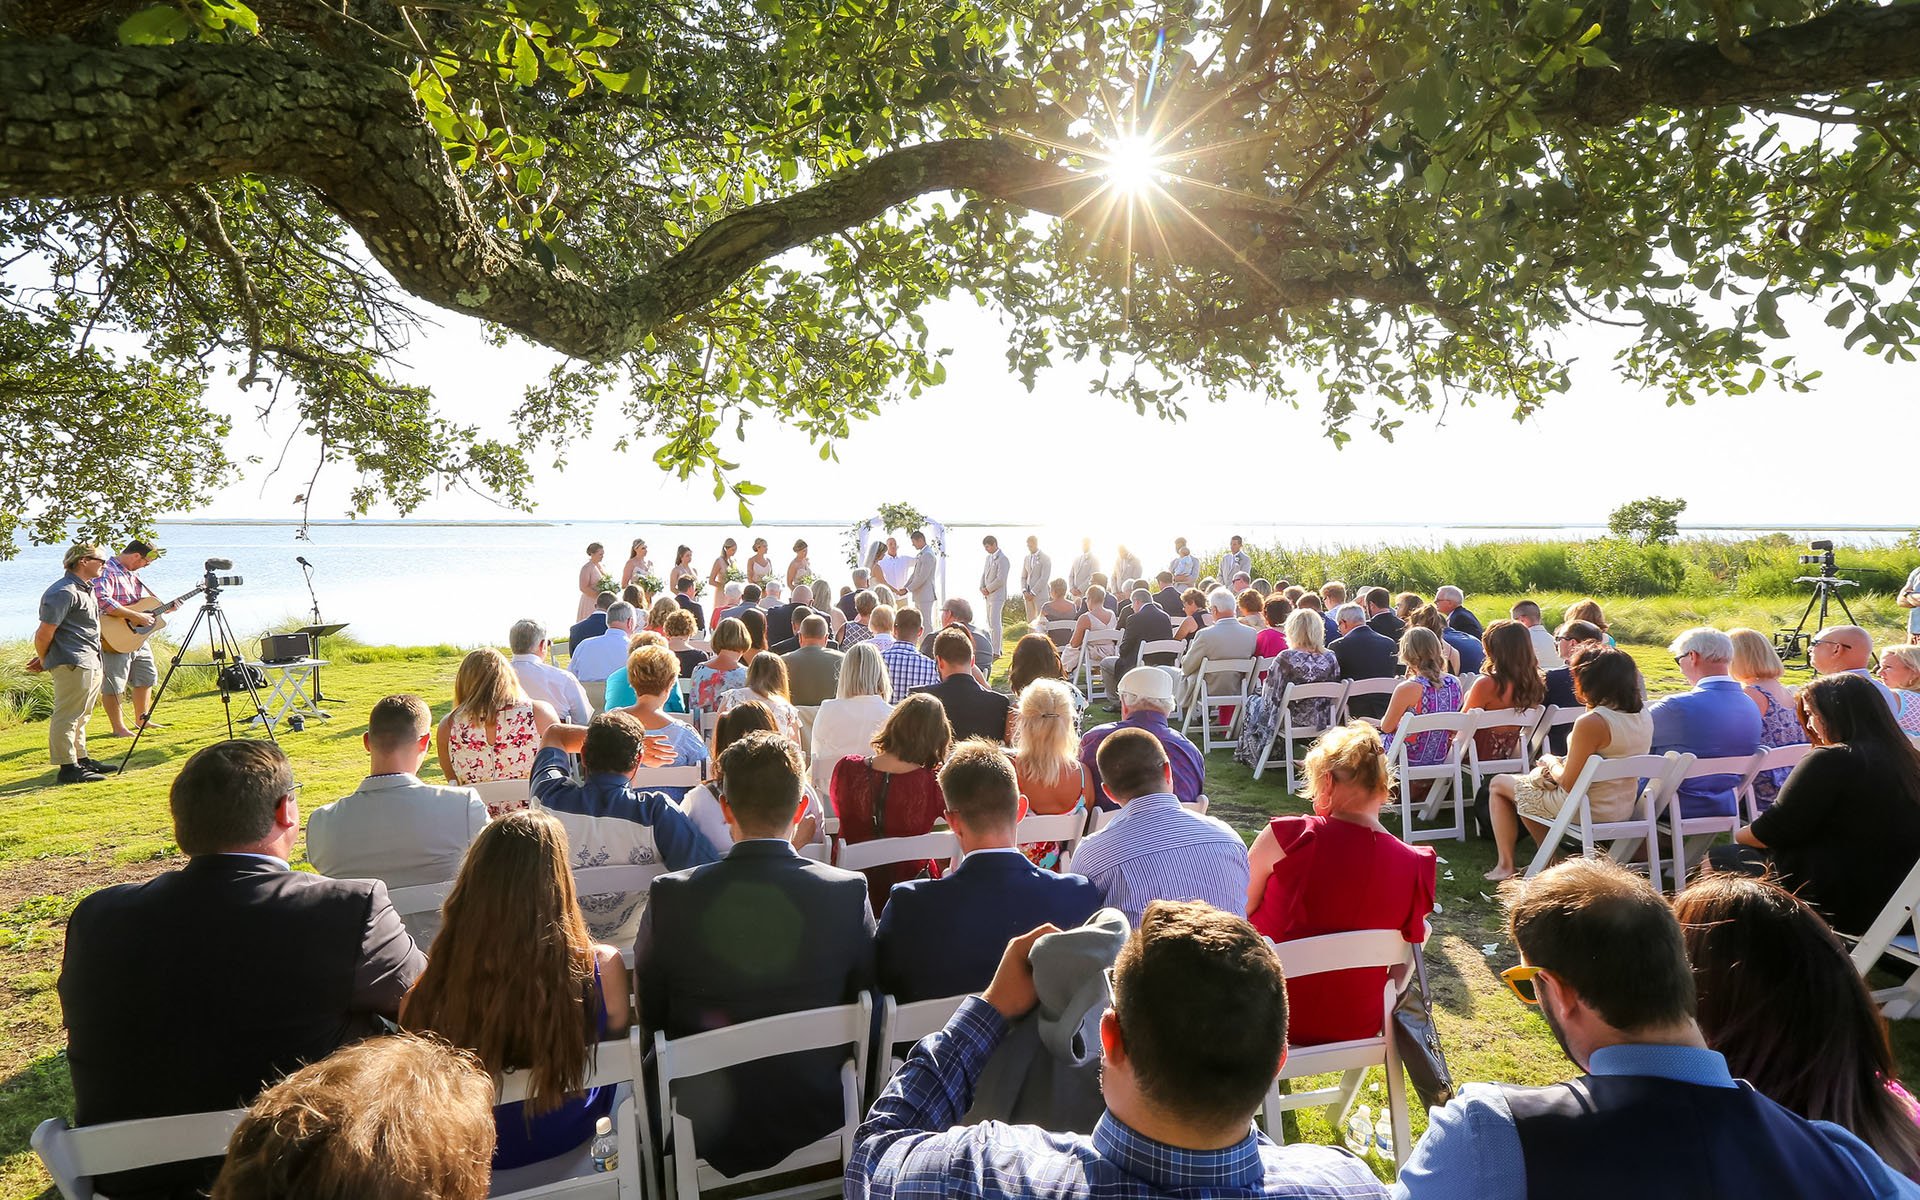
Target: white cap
603 1127
1148 683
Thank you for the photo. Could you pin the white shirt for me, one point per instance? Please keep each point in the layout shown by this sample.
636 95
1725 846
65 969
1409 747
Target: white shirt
1545 648
844 727
894 569
544 681
600 656
703 809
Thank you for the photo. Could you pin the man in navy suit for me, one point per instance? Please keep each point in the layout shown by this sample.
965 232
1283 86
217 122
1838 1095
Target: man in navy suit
592 626
760 933
972 709
1364 654
944 937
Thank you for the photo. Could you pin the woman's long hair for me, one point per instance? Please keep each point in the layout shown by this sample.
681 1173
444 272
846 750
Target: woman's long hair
510 974
1513 665
1034 657
1854 714
484 687
1779 997
1424 653
1046 737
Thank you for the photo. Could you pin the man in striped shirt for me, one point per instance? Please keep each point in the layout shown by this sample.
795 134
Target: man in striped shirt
1155 849
907 668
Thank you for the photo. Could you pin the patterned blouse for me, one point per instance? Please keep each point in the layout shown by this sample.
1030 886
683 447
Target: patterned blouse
508 754
1431 747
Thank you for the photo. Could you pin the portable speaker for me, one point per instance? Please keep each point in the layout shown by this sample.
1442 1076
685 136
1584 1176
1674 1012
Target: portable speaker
284 647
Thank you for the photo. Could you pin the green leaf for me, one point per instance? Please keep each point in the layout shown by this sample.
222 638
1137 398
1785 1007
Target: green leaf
614 81
157 26
746 513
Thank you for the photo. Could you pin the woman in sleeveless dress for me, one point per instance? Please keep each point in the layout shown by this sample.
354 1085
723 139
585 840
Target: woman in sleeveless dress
760 566
893 792
1616 725
800 569
1098 623
637 562
1046 760
717 574
1305 660
1510 678
494 730
1428 689
514 903
591 575
1757 667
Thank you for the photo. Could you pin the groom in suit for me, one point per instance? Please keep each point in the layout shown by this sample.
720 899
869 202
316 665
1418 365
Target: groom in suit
944 937
920 576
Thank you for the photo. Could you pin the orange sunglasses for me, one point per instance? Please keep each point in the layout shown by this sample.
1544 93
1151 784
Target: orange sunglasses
1519 981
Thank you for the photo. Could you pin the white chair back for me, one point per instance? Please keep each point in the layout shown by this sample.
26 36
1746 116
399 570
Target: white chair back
1557 716
1894 935
614 1063
1467 680
669 777
1657 775
1058 632
504 793
1690 836
1287 734
1777 758
419 898
909 1023
880 852
74 1157
1064 828
1222 685
596 690
1441 777
1524 722
1357 688
1173 646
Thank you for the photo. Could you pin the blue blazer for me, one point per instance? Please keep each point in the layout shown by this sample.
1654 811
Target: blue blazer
1714 720
945 937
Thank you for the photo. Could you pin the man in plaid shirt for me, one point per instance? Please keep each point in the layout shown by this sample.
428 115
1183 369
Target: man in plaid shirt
907 668
116 588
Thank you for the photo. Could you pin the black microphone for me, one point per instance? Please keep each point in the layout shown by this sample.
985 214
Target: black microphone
303 562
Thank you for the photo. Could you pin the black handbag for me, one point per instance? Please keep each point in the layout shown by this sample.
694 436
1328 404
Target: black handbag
1419 1041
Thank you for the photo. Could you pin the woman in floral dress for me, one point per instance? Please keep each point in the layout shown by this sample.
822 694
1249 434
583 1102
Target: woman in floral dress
1305 660
494 730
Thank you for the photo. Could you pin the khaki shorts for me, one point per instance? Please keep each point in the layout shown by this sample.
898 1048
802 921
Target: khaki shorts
118 672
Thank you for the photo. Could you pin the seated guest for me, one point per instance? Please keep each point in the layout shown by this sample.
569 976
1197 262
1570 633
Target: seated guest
907 668
1272 639
1468 651
957 613
1311 601
392 1118
1588 610
702 804
749 600
620 693
190 992
592 625
494 730
1845 828
1528 613
1511 679
1615 725
598 657
1448 600
767 684
1166 595
780 614
658 612
813 670
1781 1000
679 629
1196 1033
1378 602
1057 607
1097 621
1305 660
1715 720
515 978
1426 616
1146 700
1406 604
1757 669
1900 670
857 630
847 604
1148 622
892 792
759 933
1046 760
684 589
1428 689
1336 871
541 680
395 828
881 622
944 937
791 643
1156 849
1193 604
973 710
1225 637
1570 637
652 692
1848 650
1034 659
846 724
608 820
1364 653
724 670
1602 957
755 623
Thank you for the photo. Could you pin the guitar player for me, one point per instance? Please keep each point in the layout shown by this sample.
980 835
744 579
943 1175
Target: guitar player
118 586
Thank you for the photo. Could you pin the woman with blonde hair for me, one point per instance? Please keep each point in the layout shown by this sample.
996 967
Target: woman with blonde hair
1900 670
1757 668
800 570
1429 688
663 607
846 724
1099 623
1337 871
1305 660
514 978
638 563
767 683
760 566
722 567
1046 760
494 730
893 792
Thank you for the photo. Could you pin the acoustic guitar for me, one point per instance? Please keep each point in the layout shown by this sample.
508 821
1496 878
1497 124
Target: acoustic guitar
121 636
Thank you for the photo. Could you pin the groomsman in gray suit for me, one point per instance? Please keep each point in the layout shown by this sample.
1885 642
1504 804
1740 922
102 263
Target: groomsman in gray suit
1236 562
1035 576
920 576
1080 574
993 586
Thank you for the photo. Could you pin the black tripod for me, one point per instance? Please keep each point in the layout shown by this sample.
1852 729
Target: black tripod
1826 590
230 671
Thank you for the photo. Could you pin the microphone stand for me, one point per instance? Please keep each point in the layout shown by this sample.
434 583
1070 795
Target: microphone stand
313 618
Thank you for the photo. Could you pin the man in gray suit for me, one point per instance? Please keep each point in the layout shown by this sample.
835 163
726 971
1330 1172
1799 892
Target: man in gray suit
993 587
1035 576
1225 638
395 828
920 576
813 671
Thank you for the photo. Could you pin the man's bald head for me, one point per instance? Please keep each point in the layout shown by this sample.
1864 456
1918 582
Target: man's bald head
1842 648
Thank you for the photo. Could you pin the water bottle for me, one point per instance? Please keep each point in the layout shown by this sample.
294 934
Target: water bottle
1383 1133
1360 1130
606 1150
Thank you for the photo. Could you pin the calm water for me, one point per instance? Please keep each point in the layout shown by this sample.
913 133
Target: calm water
407 583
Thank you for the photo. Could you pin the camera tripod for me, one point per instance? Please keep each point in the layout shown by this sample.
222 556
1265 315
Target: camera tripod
1826 590
223 648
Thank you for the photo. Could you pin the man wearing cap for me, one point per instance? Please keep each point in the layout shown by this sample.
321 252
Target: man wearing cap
1146 698
67 647
117 587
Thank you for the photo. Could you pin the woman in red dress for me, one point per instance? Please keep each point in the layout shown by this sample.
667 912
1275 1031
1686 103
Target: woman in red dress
1334 872
894 791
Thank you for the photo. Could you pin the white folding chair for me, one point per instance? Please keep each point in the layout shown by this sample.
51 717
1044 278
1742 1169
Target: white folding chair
1657 776
74 1157
1166 646
1777 758
909 1023
1523 720
1064 828
669 777
596 690
1892 934
1440 777
1064 628
1096 646
1357 688
504 793
1347 952
1208 701
880 852
1288 735
419 898
848 1025
623 879
1702 830
614 1063
1467 680
1196 805
1557 716
808 712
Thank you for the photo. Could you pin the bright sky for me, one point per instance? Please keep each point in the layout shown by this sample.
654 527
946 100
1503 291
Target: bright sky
982 448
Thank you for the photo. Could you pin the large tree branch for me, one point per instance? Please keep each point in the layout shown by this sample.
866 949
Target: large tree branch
1845 48
81 121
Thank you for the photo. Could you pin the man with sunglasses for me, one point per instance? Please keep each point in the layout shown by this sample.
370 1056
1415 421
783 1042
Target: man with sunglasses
1656 1114
67 647
1848 650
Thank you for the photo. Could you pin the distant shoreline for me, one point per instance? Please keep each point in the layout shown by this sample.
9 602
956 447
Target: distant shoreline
559 522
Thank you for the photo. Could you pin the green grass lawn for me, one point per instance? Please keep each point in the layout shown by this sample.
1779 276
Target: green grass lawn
57 844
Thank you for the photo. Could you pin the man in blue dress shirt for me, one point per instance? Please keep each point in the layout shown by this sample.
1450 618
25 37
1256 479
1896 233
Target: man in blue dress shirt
1657 1114
1195 1034
1714 720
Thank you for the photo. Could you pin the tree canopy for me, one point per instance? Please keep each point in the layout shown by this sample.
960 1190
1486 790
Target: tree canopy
723 207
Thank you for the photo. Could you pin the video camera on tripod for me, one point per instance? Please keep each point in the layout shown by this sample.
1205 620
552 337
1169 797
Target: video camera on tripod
1795 643
214 582
1823 556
